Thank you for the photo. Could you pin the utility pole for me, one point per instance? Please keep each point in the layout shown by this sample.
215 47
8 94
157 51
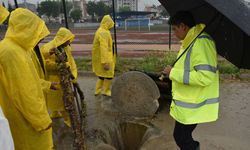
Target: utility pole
114 19
65 14
16 4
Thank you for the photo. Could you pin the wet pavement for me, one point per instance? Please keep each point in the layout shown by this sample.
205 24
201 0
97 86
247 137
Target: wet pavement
230 132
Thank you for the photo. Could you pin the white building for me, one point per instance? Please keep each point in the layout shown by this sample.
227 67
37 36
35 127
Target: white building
132 4
82 5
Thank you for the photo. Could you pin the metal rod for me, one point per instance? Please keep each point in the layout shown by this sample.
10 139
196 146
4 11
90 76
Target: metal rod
65 14
170 37
114 18
16 4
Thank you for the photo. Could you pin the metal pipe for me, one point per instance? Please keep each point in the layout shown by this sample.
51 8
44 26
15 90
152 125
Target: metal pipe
65 14
169 37
16 4
114 18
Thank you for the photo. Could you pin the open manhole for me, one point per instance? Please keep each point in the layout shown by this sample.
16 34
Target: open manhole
132 135
129 136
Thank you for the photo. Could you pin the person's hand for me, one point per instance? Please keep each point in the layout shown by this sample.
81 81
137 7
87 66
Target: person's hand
106 67
167 70
54 86
52 51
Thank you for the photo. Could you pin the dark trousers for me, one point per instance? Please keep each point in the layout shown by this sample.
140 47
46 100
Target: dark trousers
183 136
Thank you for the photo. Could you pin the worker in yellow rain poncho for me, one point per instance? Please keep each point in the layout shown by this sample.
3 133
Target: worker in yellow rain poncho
4 13
103 59
21 95
55 102
6 141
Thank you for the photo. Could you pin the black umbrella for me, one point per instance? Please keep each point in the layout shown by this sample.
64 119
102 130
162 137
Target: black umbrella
228 22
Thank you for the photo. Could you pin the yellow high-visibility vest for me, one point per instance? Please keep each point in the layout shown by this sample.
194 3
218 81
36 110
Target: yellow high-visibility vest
195 80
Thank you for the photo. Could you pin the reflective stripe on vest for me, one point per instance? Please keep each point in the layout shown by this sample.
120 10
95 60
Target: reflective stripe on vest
206 67
187 65
198 67
192 105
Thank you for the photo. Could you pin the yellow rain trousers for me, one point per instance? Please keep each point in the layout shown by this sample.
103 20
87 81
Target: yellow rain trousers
55 98
4 13
98 86
106 87
21 95
102 53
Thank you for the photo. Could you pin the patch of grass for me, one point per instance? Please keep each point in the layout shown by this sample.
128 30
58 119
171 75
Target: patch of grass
150 64
169 58
126 64
83 64
154 63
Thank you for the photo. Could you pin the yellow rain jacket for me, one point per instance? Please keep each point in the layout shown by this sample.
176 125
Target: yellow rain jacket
102 51
195 80
54 97
4 13
21 95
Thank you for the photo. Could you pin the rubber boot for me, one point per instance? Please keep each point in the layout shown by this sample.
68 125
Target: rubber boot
98 86
66 118
106 87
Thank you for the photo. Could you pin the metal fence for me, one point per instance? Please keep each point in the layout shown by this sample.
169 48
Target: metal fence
138 26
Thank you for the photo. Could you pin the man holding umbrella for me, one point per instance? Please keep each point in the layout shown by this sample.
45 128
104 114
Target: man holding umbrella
195 80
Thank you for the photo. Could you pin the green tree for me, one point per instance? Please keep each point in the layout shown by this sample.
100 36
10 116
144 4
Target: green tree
76 14
125 8
91 9
100 9
49 8
108 9
69 6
